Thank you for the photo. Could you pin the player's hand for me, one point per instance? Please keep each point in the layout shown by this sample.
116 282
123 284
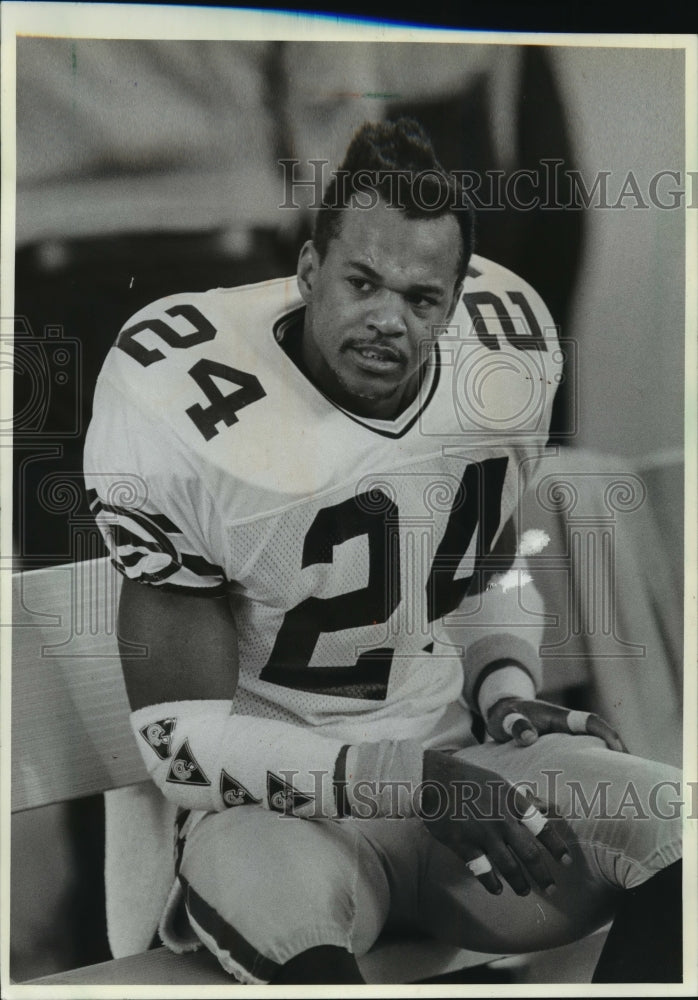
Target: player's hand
523 721
495 828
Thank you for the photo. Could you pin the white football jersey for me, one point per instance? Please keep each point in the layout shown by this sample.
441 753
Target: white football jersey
213 465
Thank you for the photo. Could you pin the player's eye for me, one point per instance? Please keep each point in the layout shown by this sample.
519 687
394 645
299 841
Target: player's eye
361 284
421 301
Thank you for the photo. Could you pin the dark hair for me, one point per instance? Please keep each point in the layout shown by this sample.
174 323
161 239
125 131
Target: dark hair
396 162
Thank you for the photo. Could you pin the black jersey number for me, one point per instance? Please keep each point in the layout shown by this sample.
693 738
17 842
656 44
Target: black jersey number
376 516
223 407
477 507
201 331
531 341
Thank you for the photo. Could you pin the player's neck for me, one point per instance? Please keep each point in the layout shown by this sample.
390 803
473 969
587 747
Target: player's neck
387 408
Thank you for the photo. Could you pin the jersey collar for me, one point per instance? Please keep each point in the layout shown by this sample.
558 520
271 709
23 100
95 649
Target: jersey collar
286 331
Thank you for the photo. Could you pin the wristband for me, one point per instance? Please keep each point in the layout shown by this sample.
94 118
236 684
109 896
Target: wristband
507 681
384 779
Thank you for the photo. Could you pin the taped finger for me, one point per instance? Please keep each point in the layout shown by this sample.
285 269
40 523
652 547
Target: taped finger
510 720
554 844
518 727
533 820
479 866
577 721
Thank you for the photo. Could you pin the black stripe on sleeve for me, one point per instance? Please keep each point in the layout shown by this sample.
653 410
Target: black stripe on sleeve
124 536
339 783
199 565
174 588
153 580
196 564
131 559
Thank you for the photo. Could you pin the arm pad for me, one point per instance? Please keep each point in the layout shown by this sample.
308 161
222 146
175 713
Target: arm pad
203 757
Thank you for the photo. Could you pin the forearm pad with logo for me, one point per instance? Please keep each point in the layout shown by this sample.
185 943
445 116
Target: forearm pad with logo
203 757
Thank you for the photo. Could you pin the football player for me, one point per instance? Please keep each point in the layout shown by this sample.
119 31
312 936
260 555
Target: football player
311 488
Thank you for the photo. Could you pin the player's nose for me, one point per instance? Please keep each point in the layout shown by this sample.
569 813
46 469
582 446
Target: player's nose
387 315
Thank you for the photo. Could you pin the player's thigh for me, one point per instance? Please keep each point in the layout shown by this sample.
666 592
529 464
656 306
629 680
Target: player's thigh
622 811
456 908
284 884
611 847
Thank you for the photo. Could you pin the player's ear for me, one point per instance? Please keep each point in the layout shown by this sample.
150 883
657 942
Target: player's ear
308 262
457 292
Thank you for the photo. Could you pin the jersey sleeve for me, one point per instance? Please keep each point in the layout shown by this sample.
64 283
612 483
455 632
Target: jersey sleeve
149 499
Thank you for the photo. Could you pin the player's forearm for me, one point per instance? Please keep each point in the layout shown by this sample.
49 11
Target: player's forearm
202 756
500 632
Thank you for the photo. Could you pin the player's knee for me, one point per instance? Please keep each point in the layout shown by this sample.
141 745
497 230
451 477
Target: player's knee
653 791
666 807
664 797
250 863
286 884
651 804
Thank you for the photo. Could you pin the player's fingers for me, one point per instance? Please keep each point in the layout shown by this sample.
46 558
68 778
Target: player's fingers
596 726
529 854
554 844
482 869
549 718
528 812
523 721
555 719
510 870
519 728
